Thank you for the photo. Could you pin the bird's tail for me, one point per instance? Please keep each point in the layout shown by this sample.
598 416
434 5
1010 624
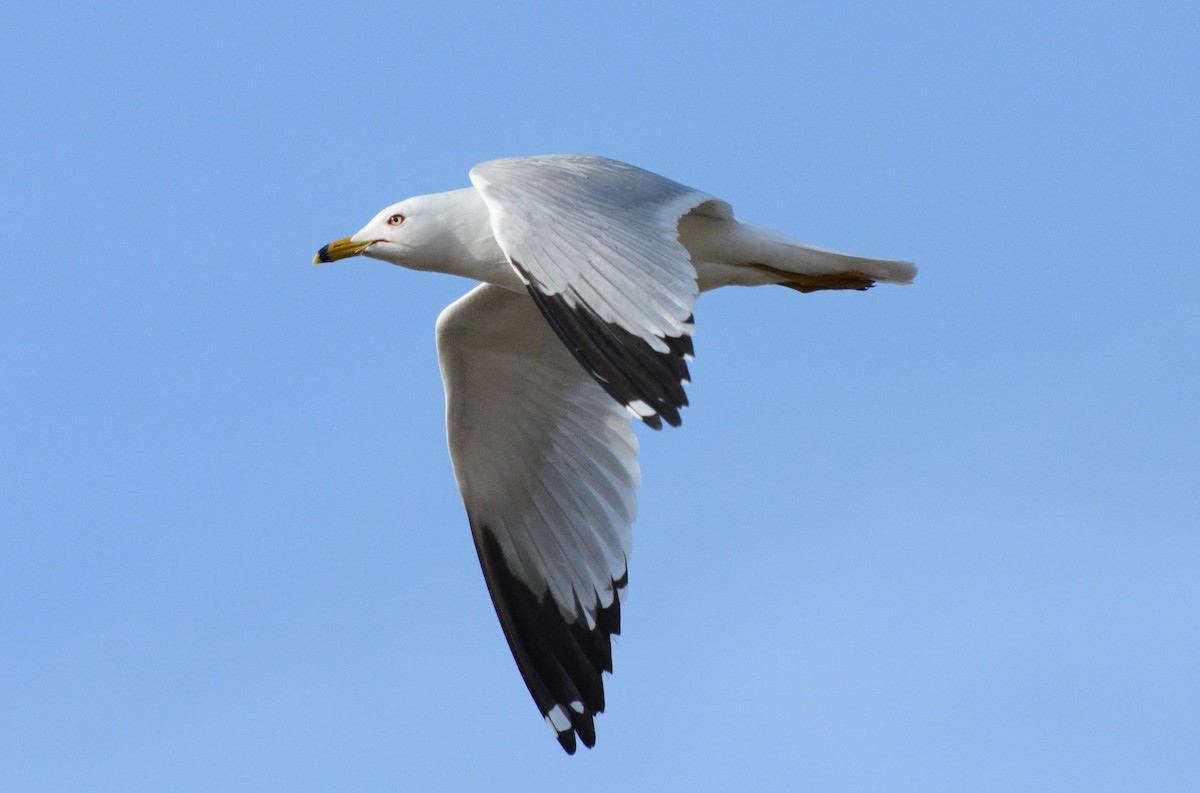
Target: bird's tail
808 269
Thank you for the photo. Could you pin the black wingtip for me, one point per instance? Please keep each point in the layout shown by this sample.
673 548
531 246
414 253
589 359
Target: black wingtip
624 364
562 660
585 728
566 739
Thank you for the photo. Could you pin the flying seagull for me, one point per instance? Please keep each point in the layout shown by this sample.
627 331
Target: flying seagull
590 269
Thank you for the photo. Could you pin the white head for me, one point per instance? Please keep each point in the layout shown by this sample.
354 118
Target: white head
428 232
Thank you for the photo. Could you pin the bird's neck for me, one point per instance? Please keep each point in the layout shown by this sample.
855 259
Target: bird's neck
469 248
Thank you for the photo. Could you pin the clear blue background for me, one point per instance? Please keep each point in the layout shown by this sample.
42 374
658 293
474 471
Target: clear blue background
936 538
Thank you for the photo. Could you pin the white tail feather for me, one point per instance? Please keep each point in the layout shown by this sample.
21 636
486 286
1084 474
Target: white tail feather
764 246
723 250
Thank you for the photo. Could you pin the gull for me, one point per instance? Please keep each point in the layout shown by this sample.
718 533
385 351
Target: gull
590 270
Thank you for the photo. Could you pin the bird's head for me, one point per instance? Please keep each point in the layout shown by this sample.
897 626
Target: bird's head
421 233
387 236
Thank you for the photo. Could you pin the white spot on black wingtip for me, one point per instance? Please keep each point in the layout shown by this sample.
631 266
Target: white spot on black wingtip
558 719
640 410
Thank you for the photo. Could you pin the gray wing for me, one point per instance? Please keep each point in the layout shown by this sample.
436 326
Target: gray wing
546 463
596 242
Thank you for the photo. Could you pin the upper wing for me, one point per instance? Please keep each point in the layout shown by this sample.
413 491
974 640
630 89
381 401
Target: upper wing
547 465
597 243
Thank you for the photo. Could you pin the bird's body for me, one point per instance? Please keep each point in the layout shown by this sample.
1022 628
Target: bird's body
590 272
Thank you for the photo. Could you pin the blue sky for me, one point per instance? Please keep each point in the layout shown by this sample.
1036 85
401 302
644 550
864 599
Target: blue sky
933 538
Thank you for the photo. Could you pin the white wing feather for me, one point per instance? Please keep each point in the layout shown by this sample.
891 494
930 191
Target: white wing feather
542 455
546 463
601 232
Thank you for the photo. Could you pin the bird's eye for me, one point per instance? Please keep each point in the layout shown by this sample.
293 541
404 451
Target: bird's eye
396 220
